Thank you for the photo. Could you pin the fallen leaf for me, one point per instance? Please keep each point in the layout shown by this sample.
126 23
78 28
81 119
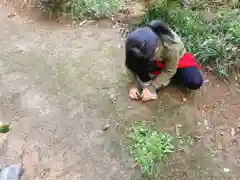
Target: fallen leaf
209 68
233 132
116 125
106 127
136 166
206 124
83 22
12 15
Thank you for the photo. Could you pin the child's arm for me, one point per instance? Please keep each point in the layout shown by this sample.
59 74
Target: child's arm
173 53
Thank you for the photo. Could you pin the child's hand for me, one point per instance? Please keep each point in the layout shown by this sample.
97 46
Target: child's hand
148 95
134 93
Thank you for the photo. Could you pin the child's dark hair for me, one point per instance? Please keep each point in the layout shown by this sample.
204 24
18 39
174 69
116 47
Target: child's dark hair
137 51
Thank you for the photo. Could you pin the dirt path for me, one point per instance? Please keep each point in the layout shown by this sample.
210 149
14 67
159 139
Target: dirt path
60 85
52 91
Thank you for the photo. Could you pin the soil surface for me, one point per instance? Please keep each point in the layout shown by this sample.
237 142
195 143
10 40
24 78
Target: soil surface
61 85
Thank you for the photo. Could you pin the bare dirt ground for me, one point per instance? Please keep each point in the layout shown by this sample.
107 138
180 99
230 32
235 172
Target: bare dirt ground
60 85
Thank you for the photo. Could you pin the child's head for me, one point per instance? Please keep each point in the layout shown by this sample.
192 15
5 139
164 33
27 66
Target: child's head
142 43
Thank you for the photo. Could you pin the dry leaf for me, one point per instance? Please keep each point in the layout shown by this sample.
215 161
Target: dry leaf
233 132
106 127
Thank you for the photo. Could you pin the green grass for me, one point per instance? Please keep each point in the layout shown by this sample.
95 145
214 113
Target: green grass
4 128
148 147
213 41
94 8
80 9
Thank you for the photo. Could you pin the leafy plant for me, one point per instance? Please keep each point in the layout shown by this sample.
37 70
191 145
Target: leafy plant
80 9
4 128
148 146
53 7
94 8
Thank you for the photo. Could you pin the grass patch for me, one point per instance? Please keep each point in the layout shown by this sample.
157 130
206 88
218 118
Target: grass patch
148 146
94 8
80 9
213 41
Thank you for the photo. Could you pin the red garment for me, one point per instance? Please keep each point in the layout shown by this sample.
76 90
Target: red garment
187 60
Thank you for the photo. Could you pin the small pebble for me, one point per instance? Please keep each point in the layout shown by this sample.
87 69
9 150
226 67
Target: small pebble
206 123
226 170
238 90
116 125
184 99
233 132
206 81
178 126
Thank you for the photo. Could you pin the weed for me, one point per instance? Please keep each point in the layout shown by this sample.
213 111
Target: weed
148 146
4 128
94 8
53 7
80 9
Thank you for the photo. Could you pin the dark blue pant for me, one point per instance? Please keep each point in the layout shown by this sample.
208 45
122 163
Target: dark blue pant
189 77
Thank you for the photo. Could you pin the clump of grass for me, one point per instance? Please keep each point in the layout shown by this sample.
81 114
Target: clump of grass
213 4
53 7
80 9
214 42
148 146
4 128
94 8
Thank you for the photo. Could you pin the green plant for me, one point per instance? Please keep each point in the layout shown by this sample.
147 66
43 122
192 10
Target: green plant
228 23
80 9
53 7
94 8
148 146
4 128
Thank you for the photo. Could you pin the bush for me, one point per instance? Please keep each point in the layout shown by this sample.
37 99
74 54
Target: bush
80 9
214 42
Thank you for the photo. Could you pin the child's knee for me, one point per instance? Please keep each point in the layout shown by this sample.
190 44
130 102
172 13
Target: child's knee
194 83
